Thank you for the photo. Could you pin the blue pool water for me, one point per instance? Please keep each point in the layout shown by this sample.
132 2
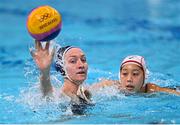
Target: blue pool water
107 31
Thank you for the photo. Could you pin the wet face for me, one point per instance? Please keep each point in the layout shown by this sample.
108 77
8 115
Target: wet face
76 65
131 77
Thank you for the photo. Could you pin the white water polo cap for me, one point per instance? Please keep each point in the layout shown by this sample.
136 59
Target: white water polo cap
137 60
59 59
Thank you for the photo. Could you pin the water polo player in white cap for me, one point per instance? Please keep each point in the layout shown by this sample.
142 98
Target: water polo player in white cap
71 63
132 74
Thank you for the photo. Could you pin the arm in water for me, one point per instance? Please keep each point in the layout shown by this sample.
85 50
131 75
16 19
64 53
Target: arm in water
43 59
150 87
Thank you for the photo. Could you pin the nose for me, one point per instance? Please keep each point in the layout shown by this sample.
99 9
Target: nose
129 78
80 64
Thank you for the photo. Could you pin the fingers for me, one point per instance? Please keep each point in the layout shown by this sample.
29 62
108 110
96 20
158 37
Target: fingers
52 53
32 52
38 45
47 46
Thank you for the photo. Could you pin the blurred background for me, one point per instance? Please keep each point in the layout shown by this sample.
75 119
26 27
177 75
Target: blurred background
102 27
107 31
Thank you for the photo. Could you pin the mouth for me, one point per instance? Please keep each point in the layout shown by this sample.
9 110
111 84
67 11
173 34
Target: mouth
130 87
81 73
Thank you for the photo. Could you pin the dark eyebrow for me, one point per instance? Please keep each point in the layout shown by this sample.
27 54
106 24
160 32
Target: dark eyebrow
124 69
82 54
136 69
72 56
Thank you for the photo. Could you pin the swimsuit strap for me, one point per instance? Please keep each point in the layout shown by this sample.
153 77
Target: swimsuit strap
82 95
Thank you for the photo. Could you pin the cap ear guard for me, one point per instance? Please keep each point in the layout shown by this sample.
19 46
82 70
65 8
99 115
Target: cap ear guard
59 68
59 61
146 73
144 66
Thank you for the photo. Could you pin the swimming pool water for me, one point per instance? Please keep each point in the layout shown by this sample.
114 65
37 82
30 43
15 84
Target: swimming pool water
107 31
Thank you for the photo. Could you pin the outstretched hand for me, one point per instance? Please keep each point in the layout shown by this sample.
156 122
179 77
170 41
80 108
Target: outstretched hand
42 57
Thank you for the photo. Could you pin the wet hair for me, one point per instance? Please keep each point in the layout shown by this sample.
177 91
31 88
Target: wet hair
59 61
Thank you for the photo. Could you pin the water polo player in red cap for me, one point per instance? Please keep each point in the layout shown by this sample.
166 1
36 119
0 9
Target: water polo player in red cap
132 74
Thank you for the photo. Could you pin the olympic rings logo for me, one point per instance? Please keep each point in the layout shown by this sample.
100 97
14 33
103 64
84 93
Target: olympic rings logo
44 17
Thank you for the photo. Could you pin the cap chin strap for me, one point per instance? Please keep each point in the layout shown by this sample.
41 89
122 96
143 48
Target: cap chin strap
73 81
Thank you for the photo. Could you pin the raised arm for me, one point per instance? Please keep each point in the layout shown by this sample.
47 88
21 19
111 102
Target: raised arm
150 87
43 59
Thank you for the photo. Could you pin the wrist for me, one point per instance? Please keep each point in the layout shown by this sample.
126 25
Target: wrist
44 77
45 73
